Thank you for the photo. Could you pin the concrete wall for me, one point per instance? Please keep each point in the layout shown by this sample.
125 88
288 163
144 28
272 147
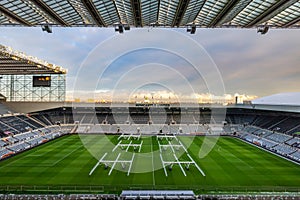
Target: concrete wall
27 107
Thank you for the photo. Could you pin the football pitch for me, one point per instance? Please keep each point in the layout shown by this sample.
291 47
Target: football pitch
64 165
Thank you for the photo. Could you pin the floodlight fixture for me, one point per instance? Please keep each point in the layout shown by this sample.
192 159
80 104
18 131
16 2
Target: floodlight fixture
155 24
263 29
188 28
47 28
120 27
191 28
126 27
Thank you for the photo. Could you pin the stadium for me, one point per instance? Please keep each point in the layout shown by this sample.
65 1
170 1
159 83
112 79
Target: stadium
148 146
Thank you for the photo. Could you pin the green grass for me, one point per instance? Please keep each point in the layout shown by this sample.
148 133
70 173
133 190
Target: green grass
64 164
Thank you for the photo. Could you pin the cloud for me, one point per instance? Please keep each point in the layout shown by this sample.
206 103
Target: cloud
66 47
252 63
143 95
249 63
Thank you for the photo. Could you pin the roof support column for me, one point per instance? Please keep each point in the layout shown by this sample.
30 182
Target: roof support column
137 12
182 6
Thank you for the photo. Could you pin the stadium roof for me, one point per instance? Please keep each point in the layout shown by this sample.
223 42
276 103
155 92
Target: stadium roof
14 62
139 13
289 98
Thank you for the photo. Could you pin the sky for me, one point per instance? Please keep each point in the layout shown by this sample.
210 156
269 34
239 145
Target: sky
166 63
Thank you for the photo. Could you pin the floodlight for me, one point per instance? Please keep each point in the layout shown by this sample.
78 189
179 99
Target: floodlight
263 29
47 28
155 24
126 27
193 29
121 29
188 29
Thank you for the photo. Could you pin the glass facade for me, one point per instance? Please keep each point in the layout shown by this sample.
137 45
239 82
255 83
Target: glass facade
125 11
167 11
192 11
20 88
65 10
149 9
287 15
27 11
108 11
204 13
210 11
253 10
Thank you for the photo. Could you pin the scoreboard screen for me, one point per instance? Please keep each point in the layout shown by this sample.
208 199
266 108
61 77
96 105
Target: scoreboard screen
41 81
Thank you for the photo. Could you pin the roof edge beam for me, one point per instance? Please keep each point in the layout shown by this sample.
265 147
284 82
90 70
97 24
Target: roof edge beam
268 14
291 23
13 16
137 12
94 13
223 13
